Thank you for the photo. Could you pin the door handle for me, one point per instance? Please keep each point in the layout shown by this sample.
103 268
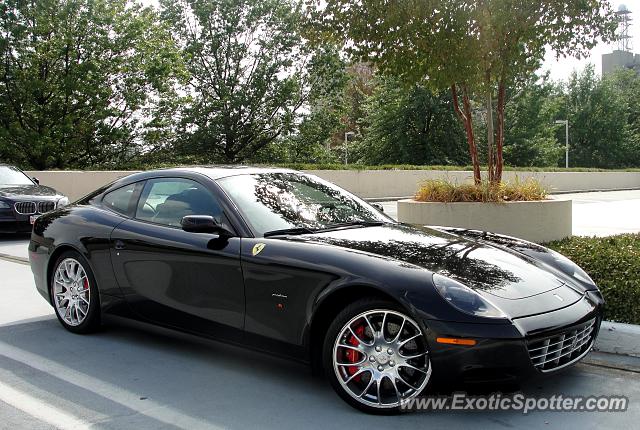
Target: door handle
119 245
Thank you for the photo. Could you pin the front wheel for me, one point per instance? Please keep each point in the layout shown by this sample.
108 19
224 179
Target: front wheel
74 293
376 357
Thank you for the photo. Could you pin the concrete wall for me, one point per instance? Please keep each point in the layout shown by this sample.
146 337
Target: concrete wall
75 184
371 183
538 221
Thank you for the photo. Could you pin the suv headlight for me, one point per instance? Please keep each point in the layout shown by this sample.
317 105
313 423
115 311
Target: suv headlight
62 202
465 299
4 205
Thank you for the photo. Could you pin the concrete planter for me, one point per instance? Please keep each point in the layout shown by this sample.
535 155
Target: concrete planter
537 221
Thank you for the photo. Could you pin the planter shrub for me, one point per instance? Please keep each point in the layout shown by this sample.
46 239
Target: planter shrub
442 191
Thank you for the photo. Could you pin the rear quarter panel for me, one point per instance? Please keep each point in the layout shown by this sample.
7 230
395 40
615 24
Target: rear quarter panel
83 228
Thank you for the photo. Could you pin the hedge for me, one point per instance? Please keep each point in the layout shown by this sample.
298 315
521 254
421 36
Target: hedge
614 264
337 166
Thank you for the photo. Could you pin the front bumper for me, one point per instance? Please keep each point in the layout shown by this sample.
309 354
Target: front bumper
502 350
14 225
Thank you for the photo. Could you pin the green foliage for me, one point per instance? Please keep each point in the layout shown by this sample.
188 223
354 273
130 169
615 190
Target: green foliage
440 190
317 131
603 118
530 132
111 84
82 82
409 125
247 81
480 47
614 264
460 41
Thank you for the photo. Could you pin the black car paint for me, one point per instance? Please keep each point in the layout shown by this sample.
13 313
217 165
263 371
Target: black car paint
269 301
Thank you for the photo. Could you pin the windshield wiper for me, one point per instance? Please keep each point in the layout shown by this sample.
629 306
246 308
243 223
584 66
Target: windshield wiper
284 231
356 224
306 230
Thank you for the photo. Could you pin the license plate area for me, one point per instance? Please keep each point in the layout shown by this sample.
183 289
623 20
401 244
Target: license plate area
33 218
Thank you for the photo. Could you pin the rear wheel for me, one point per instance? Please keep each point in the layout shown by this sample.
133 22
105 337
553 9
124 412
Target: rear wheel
74 293
376 357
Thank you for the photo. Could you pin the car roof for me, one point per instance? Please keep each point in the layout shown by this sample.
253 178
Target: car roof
217 172
212 172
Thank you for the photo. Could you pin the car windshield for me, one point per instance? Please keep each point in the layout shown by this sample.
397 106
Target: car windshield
10 175
279 201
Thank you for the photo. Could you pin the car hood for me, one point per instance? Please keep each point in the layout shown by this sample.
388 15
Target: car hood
491 270
26 191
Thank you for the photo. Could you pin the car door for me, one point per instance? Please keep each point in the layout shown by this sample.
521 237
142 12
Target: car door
191 281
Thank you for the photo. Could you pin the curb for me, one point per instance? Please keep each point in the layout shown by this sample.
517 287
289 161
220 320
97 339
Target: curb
619 338
625 363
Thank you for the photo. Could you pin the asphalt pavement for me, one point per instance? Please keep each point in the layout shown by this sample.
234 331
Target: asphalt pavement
132 376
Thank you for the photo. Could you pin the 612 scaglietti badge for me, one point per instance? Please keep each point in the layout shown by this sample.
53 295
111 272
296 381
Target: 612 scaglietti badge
285 262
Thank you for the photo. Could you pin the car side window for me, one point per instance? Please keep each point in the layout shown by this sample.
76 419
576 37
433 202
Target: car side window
120 199
167 200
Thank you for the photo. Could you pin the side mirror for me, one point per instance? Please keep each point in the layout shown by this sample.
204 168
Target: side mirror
36 180
204 224
377 206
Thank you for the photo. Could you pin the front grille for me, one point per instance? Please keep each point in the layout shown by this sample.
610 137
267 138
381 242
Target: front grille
25 208
556 351
32 208
46 206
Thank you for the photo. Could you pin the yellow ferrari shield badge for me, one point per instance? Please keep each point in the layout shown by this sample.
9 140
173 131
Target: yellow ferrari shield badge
257 248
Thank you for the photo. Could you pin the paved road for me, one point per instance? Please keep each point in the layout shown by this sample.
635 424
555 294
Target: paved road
132 377
594 214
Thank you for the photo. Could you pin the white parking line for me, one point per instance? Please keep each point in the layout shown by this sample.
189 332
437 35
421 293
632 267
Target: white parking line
128 399
40 409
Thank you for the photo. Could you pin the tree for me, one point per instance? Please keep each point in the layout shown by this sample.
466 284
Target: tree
598 112
474 47
530 135
246 60
323 123
80 80
410 126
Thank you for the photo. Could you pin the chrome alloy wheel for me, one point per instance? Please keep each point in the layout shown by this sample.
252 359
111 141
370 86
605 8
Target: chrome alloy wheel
71 292
381 359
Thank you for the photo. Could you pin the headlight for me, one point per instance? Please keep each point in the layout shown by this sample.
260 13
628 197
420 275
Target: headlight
572 269
465 299
62 202
4 205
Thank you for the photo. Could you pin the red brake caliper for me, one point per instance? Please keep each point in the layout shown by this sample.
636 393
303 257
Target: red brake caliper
353 356
86 284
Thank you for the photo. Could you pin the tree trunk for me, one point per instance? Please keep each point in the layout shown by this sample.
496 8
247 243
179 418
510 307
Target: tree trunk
491 168
465 116
500 132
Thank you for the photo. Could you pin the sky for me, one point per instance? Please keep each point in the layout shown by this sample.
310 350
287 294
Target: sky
562 69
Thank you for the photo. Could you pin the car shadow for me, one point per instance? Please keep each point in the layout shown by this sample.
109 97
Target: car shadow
130 375
14 238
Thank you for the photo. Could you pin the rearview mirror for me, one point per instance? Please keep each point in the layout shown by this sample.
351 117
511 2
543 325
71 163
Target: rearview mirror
378 206
204 224
36 180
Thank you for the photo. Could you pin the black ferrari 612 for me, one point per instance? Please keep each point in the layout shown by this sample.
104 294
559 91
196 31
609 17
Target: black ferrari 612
23 199
286 262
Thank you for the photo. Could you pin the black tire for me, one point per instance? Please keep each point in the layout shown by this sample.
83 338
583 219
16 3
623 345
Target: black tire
336 329
91 321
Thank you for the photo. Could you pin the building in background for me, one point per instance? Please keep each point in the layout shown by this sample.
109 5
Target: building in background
622 56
